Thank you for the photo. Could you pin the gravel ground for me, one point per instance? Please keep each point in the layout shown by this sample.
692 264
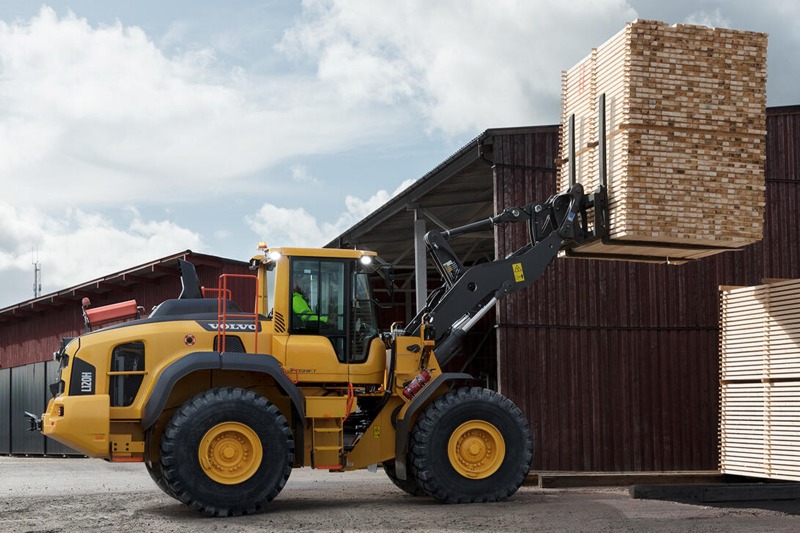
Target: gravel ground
46 494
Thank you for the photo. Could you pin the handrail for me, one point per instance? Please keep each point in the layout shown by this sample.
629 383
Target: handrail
223 295
215 293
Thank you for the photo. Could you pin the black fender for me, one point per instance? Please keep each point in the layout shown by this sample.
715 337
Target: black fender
403 428
195 361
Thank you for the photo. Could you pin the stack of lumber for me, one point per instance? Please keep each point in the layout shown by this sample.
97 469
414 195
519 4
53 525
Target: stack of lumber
685 127
760 381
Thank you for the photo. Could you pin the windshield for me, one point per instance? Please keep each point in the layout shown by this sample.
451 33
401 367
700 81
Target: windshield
270 291
365 324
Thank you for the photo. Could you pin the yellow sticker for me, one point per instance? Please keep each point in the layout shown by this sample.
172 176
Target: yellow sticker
519 275
376 432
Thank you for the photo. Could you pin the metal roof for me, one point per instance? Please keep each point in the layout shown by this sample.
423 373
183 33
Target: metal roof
458 191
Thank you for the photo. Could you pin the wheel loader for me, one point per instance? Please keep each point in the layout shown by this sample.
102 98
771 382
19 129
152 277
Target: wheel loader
221 400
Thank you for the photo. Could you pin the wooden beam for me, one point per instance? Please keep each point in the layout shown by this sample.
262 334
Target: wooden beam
175 271
113 287
80 293
139 279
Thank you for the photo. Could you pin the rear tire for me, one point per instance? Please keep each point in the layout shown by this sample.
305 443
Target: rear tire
471 445
153 465
157 475
227 452
410 485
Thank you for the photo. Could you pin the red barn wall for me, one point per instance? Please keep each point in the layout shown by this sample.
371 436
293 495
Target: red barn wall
34 331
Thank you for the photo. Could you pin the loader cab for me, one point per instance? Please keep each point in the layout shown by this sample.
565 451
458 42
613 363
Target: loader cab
331 297
324 320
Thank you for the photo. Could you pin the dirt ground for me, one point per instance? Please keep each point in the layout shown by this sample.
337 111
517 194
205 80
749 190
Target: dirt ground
46 494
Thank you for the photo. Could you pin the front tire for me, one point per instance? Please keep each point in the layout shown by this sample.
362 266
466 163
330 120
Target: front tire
410 485
227 452
471 445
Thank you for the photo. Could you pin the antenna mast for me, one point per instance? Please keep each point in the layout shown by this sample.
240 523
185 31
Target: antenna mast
37 278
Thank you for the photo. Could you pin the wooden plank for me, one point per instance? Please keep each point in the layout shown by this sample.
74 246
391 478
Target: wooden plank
759 423
679 138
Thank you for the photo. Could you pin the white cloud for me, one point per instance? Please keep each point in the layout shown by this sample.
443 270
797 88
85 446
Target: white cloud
107 116
87 112
464 66
714 19
77 246
300 174
358 208
281 226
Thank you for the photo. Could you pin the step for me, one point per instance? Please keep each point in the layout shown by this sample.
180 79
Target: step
327 406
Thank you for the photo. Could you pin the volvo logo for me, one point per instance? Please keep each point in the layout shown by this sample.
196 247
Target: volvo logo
234 327
230 326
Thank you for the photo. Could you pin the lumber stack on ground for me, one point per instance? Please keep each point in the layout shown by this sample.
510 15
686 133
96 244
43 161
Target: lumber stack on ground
686 128
760 381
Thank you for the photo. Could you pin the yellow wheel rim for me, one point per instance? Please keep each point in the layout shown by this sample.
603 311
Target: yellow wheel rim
230 453
476 449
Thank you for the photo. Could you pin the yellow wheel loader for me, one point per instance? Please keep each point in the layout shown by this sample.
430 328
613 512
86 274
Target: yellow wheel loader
221 402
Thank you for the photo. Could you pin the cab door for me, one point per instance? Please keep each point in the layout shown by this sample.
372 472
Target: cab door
332 323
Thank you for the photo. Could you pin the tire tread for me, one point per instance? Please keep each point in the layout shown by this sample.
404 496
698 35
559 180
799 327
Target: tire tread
170 442
424 466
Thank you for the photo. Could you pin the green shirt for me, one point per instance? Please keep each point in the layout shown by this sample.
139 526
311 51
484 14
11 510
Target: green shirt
301 308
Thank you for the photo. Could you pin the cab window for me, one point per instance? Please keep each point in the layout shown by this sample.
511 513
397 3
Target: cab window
318 300
127 363
365 323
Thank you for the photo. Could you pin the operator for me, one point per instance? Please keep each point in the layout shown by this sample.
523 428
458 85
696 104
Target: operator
300 305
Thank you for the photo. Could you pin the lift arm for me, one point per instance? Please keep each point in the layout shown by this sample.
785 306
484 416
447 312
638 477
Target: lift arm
469 293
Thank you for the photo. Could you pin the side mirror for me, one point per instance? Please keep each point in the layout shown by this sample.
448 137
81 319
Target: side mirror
387 273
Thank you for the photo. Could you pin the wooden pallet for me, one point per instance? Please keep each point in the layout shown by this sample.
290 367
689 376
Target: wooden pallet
760 380
685 127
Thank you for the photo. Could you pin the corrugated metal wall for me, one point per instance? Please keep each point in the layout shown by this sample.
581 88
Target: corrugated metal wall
616 364
5 410
27 394
25 388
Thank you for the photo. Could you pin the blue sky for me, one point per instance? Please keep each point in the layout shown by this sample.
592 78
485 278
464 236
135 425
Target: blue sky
133 130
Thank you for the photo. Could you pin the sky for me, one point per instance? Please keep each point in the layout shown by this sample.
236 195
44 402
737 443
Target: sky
130 131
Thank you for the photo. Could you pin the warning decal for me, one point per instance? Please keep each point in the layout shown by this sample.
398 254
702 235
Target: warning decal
519 275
